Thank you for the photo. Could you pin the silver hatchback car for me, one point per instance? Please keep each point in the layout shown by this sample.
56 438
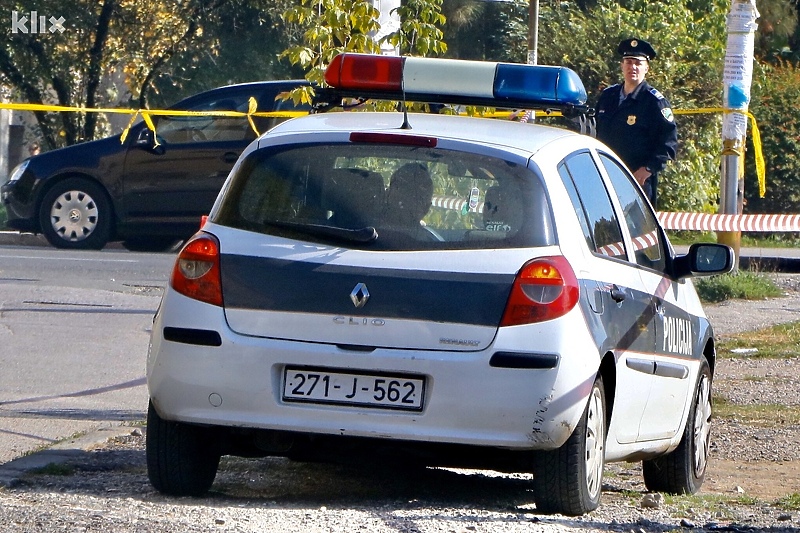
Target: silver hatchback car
458 290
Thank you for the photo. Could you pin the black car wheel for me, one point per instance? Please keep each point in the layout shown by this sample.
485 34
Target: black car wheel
683 470
569 479
76 213
182 459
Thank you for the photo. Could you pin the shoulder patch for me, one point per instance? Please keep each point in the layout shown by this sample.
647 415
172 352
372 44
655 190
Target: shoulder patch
655 93
667 112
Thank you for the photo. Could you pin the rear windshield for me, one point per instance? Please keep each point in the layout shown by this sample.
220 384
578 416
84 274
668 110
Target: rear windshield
388 197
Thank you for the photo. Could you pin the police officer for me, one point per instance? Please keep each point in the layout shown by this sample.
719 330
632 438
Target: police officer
635 120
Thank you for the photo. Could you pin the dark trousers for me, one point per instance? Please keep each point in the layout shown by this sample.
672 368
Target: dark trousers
650 188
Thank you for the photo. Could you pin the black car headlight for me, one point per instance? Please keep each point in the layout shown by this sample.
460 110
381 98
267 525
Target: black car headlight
18 171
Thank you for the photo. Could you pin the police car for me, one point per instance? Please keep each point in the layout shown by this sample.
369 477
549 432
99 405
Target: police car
461 291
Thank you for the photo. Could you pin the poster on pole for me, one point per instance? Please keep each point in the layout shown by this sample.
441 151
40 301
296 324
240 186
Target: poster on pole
738 72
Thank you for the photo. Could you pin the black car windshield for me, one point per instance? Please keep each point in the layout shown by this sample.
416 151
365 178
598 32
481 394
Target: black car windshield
388 197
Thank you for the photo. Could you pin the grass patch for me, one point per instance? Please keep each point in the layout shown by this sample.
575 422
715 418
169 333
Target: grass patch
743 284
776 342
771 240
54 469
719 505
789 503
759 415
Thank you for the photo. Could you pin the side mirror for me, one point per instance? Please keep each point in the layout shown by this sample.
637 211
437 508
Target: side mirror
146 138
704 259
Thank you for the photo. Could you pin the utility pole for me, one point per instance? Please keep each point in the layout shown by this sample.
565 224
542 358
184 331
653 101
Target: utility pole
533 32
389 20
737 79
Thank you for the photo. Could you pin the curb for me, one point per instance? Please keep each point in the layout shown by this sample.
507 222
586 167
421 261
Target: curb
20 238
17 238
13 471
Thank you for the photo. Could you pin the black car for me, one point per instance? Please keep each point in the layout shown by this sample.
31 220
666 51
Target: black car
148 191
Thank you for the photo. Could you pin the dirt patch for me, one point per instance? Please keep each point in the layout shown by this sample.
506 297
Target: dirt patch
764 480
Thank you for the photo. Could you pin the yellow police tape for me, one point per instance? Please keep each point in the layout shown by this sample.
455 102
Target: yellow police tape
252 112
759 155
148 113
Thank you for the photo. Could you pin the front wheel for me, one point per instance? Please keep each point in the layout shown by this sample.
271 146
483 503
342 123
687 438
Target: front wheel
76 214
683 470
568 480
182 459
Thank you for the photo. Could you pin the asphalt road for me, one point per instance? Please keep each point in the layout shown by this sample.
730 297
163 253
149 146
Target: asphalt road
74 331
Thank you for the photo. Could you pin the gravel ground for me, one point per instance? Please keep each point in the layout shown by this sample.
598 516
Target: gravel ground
105 488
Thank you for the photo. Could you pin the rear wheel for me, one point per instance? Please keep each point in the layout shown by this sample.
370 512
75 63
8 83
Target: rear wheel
76 214
182 459
683 470
569 480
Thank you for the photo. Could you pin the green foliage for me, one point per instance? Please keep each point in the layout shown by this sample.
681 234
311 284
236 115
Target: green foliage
790 502
775 99
330 27
53 469
687 40
127 42
742 284
250 36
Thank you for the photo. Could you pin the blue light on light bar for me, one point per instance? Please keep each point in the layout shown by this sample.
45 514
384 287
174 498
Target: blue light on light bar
456 81
538 82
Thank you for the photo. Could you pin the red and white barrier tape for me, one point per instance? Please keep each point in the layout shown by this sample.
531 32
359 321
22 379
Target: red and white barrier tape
715 222
680 221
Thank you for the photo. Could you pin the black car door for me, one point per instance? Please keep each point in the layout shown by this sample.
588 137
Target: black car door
169 185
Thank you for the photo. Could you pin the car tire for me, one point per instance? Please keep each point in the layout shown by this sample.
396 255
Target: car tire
683 470
182 459
76 214
569 480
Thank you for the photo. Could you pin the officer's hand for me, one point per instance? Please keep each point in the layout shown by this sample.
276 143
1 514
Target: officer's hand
641 174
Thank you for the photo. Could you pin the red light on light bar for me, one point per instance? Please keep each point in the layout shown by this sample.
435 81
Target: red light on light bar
366 72
391 138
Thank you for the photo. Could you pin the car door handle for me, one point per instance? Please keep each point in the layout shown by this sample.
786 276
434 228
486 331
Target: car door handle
617 294
230 157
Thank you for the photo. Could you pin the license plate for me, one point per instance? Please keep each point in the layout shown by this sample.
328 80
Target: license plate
384 391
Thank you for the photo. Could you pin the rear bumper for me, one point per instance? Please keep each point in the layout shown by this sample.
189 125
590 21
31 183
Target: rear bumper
238 382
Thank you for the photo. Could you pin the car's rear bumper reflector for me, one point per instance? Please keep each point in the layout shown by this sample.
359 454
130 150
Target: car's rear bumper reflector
200 337
523 360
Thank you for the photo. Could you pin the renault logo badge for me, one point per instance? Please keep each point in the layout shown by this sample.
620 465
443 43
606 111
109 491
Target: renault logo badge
360 295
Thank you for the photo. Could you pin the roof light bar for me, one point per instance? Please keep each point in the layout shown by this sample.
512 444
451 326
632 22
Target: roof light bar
455 81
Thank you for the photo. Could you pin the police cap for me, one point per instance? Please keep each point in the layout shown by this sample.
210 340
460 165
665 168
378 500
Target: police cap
636 48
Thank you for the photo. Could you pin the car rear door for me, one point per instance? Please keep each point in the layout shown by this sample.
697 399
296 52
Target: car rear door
177 181
617 308
676 330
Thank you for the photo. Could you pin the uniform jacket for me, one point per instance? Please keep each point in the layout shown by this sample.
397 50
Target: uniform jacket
641 130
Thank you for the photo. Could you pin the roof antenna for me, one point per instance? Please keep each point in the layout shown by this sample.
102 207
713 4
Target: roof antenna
406 125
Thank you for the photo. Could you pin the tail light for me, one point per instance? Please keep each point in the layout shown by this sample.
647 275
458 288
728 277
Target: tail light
196 273
544 289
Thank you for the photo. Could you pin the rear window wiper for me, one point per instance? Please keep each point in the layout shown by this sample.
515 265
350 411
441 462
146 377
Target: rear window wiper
367 234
